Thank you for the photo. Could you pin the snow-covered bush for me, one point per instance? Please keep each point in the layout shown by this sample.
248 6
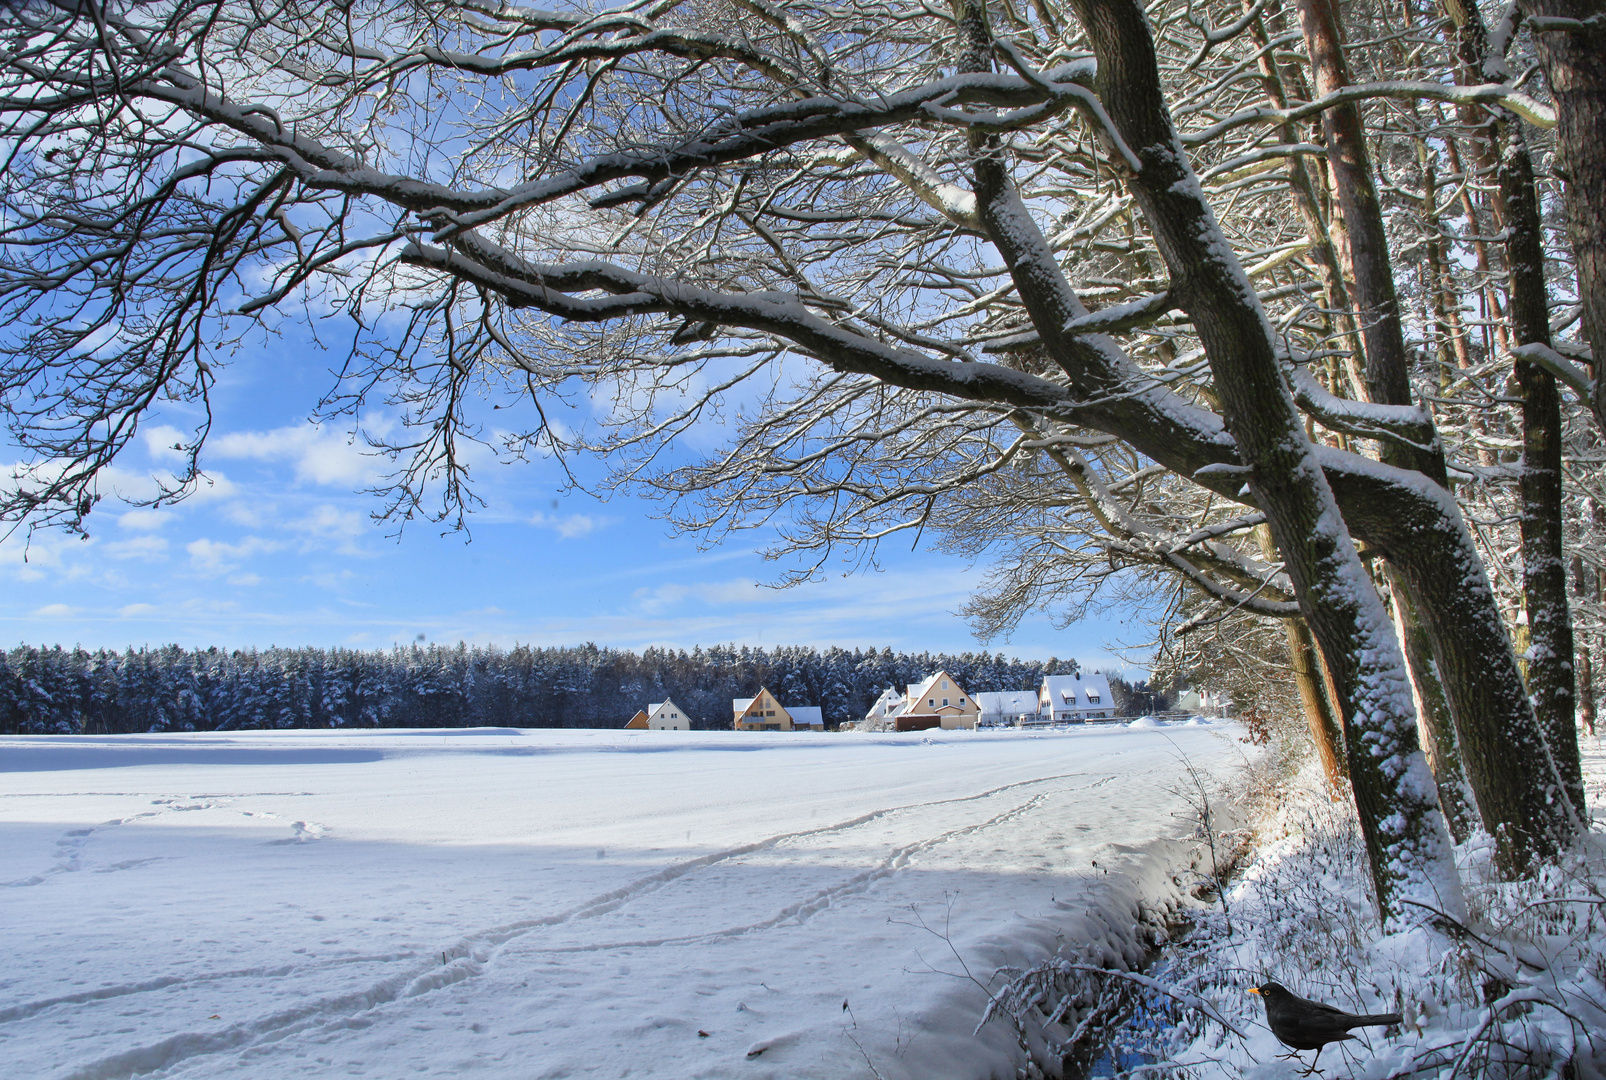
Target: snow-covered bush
1519 990
1516 991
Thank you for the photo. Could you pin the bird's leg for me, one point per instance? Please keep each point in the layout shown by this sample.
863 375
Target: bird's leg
1313 1061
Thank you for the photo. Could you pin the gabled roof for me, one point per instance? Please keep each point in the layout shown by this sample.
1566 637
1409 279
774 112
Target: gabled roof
890 703
927 689
742 704
806 714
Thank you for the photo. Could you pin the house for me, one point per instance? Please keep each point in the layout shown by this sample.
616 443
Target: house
884 711
1074 699
765 713
1007 708
1204 703
939 701
807 718
661 716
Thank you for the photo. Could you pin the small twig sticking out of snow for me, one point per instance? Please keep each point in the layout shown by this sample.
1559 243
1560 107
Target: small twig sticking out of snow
1199 800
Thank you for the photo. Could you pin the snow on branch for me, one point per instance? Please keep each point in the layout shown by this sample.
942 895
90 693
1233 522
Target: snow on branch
1558 365
1530 109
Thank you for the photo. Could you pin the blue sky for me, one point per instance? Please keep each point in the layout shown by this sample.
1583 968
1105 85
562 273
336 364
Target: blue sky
279 548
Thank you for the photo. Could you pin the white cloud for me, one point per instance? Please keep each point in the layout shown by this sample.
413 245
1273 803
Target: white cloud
164 443
662 598
216 557
330 522
245 580
142 519
129 611
571 526
55 610
140 547
319 456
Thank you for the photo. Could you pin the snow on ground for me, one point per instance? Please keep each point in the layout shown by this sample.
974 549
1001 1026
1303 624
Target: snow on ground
547 904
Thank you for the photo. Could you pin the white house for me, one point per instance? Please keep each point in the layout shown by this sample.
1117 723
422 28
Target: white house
765 713
1204 703
886 709
662 716
1007 708
1074 699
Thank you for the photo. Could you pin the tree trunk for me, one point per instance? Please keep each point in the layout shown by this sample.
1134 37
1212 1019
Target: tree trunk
1574 58
1326 729
1387 372
1407 844
1586 691
1434 716
1315 689
1544 566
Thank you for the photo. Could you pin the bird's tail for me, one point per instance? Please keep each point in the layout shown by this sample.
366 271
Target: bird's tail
1377 1019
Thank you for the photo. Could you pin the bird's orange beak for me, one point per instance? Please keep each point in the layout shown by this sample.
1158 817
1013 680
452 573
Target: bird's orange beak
1254 989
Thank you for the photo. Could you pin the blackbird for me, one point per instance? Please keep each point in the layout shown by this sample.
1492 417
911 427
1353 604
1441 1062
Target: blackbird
1309 1025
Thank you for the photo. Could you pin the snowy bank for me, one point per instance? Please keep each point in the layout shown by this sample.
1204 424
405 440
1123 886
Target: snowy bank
1519 990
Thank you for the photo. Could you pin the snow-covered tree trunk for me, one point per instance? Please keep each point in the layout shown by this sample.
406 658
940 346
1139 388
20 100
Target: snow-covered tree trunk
1544 563
1407 843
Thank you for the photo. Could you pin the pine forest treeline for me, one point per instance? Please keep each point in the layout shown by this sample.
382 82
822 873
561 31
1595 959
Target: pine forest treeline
73 691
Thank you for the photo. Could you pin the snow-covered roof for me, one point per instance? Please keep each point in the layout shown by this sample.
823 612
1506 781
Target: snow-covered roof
806 714
890 703
1007 702
1085 691
740 704
927 689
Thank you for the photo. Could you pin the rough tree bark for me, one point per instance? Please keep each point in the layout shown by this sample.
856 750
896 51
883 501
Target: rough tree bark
1408 847
1550 652
1571 39
1387 382
1544 566
1326 728
1436 721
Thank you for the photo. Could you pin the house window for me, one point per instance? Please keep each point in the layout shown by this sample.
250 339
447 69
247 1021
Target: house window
945 684
931 701
945 701
771 712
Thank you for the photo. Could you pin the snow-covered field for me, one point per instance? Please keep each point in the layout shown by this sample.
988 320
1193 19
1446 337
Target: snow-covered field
544 904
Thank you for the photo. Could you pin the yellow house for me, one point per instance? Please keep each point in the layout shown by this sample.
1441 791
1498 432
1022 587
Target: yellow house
639 721
938 702
761 713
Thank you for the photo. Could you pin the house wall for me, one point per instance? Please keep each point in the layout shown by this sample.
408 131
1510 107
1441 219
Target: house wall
763 713
669 717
